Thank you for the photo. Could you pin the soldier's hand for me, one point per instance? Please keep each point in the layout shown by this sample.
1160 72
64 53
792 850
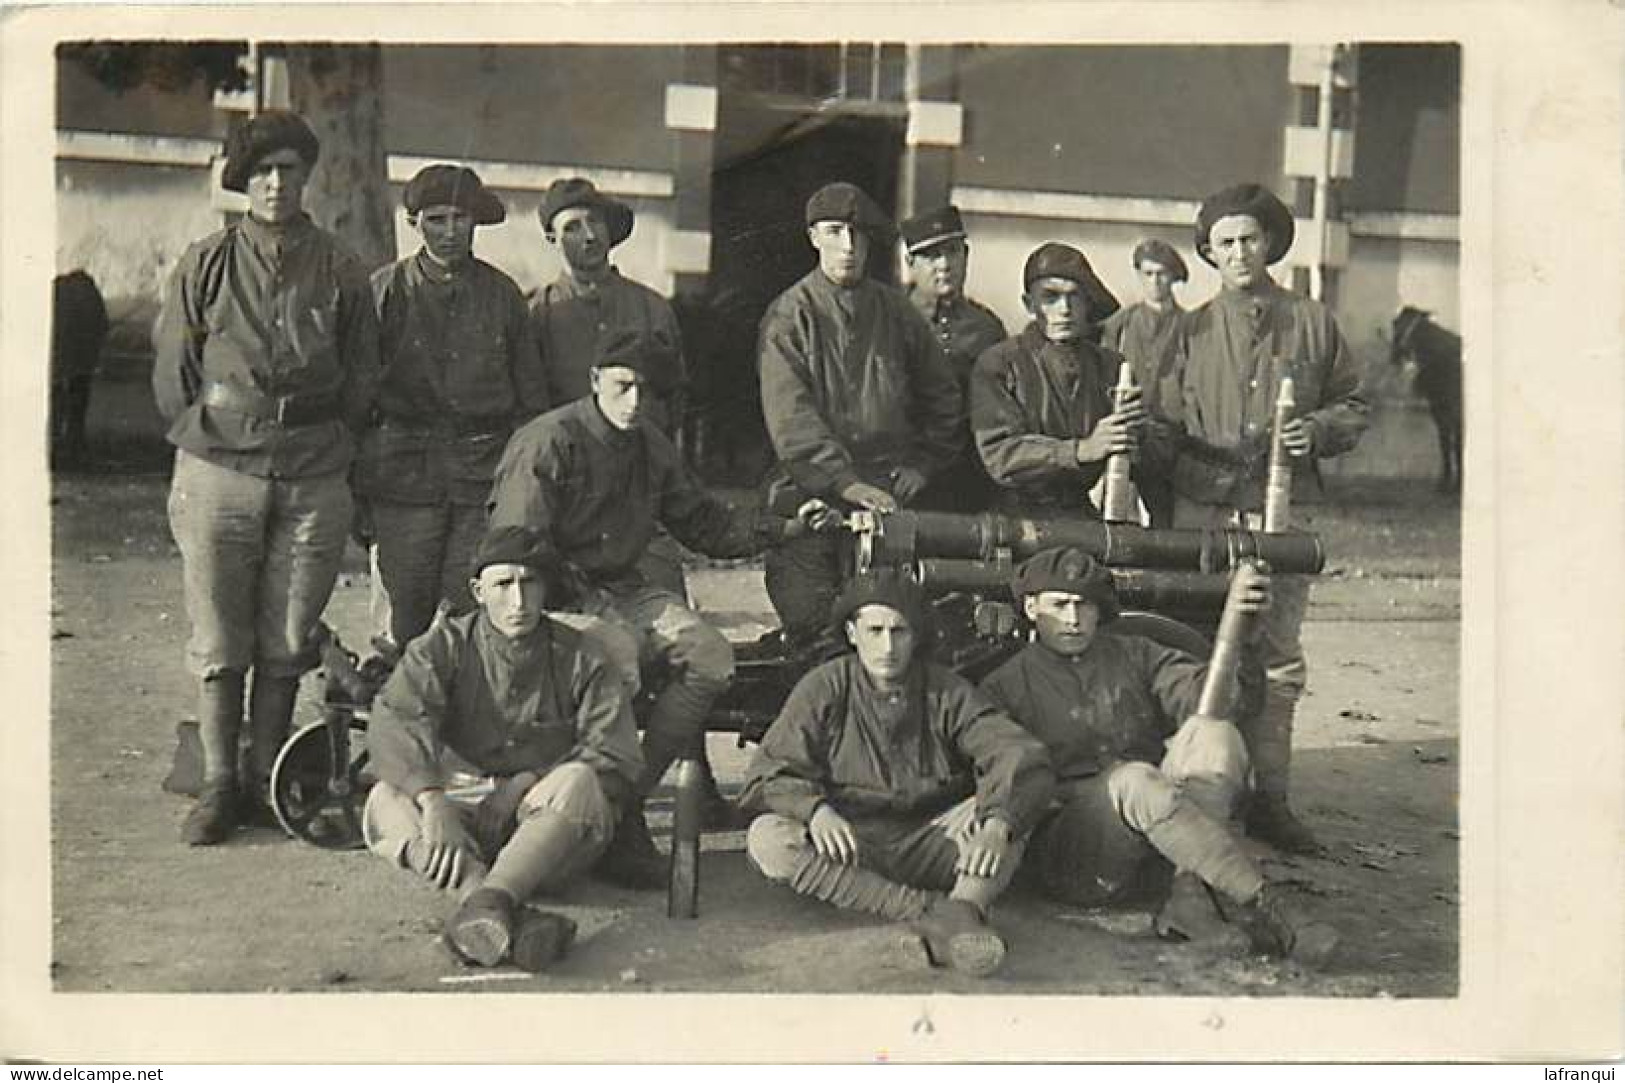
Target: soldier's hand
832 836
960 823
494 817
871 497
361 525
819 518
1252 589
1115 434
1132 408
986 850
452 853
907 483
1299 437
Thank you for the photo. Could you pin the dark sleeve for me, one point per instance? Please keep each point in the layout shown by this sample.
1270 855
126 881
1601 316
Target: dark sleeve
409 714
1344 412
358 344
178 337
1014 777
525 489
1014 455
1174 677
664 321
698 518
789 774
606 735
938 407
812 455
524 357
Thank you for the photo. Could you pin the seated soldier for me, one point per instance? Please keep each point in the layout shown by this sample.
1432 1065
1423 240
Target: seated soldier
536 707
594 479
1105 706
887 780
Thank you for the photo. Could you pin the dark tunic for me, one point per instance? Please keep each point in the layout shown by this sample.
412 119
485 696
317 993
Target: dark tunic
504 706
1149 338
902 758
964 328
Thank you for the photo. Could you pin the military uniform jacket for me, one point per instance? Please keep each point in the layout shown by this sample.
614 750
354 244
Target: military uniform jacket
1235 350
903 757
504 706
964 328
1119 700
1149 338
268 311
460 371
597 494
854 385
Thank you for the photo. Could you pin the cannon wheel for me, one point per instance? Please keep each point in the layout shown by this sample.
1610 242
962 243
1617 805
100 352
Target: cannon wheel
308 803
1164 630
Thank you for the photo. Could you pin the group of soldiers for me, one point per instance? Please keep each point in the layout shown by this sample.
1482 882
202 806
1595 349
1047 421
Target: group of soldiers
513 469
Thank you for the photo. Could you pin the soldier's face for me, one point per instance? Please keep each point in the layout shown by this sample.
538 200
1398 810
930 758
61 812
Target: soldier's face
1156 282
939 271
582 235
1065 623
448 234
884 642
512 597
276 186
1059 306
619 391
1239 245
843 251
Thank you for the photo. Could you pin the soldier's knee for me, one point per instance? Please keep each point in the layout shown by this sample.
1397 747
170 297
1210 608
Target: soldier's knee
775 844
1142 795
705 655
571 791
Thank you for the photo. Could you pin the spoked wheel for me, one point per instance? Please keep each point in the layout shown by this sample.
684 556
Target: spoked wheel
312 801
1164 631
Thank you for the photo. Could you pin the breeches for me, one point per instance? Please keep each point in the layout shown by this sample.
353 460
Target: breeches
425 556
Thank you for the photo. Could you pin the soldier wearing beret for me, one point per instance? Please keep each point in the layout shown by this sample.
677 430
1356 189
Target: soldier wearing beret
1041 401
937 253
460 372
1147 333
536 709
888 780
859 401
595 480
1234 351
1141 773
265 370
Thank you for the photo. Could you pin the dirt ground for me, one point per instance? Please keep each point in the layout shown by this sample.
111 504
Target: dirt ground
135 910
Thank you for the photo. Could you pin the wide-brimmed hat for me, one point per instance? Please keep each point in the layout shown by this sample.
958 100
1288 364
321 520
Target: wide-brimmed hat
266 133
1256 202
1070 571
580 192
444 185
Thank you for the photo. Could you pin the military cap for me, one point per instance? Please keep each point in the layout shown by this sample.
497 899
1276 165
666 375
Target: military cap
1161 252
887 587
1070 571
843 202
580 192
648 355
1258 203
932 228
514 545
266 133
453 186
1055 260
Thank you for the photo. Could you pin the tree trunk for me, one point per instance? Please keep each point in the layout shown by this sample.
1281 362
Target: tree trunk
338 89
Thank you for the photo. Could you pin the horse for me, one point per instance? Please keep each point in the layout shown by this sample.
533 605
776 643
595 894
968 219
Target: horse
1435 355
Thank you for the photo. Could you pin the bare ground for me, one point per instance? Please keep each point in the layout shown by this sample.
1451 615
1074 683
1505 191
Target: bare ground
134 910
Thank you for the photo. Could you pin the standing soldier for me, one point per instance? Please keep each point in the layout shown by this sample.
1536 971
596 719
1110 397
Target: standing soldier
859 402
1147 334
266 366
460 371
1041 401
938 256
1236 349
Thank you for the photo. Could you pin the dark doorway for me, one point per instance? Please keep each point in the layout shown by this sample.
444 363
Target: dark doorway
768 161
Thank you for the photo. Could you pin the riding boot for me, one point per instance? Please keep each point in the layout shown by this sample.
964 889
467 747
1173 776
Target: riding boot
852 887
270 716
1269 817
220 719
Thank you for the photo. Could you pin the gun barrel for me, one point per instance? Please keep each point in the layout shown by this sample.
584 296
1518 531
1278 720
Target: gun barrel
1137 588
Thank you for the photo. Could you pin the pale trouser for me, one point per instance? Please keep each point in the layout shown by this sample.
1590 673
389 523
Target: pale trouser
922 858
423 557
259 557
392 821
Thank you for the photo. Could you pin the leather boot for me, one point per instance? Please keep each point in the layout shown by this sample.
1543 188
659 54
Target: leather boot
1270 819
717 813
540 938
631 859
1269 742
480 930
1277 926
852 887
955 933
270 716
1192 913
220 718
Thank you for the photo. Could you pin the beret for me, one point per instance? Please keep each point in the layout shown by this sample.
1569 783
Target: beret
648 355
1258 203
265 133
453 186
570 192
1159 251
843 202
514 545
1055 260
932 228
888 587
1070 571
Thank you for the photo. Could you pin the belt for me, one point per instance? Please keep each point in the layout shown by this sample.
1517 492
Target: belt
454 424
290 410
